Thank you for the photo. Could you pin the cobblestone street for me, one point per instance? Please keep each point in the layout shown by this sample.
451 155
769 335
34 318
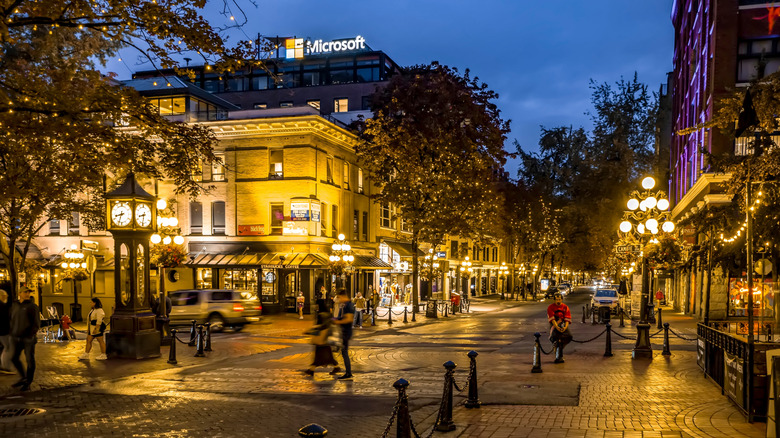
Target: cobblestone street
252 384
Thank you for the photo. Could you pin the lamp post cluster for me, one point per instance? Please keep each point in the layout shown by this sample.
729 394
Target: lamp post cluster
341 257
167 235
74 259
646 217
431 267
465 271
503 271
75 267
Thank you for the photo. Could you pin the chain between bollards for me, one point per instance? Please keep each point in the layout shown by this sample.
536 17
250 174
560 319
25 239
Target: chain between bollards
608 350
172 352
445 413
666 351
207 346
473 400
199 351
191 343
537 368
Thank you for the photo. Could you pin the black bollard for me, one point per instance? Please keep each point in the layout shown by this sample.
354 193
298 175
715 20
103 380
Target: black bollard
389 316
608 350
558 353
199 351
414 312
666 351
192 334
537 368
593 315
445 309
473 400
207 346
583 314
403 419
172 352
373 317
405 312
660 322
620 311
445 423
313 430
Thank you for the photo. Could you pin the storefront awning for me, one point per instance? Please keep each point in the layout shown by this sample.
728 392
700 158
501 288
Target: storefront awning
404 249
281 260
369 262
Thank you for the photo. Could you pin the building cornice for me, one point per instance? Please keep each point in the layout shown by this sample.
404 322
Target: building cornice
701 191
281 126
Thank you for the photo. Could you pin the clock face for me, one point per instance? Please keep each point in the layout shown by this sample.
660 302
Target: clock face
121 214
143 215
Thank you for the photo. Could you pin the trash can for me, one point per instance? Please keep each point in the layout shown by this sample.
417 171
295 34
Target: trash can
75 312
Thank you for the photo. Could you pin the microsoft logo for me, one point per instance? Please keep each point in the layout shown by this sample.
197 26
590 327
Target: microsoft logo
294 48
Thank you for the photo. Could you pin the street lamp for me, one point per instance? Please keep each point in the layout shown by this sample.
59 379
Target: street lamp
75 267
465 271
430 268
167 252
502 272
647 216
341 257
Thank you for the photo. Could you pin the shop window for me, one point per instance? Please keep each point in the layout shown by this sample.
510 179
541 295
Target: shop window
360 180
340 105
747 70
277 219
334 220
203 278
196 218
73 224
268 291
346 176
329 169
240 279
218 168
314 104
356 225
54 227
218 218
276 163
365 226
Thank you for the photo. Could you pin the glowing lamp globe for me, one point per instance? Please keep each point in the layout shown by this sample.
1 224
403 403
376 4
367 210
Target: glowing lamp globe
663 204
178 240
651 223
335 247
73 246
346 247
648 183
625 226
156 238
668 226
643 205
64 265
83 266
167 240
161 204
640 228
651 202
173 221
654 230
633 204
341 237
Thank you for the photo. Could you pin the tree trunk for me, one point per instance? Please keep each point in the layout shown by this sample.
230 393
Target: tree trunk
415 274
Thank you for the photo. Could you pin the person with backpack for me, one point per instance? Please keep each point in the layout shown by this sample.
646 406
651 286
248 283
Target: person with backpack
96 327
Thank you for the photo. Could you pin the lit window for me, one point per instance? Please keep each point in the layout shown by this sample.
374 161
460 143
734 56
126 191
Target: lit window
54 227
260 106
385 215
277 219
334 220
346 175
356 224
314 104
360 180
73 224
340 105
197 172
276 160
329 170
218 168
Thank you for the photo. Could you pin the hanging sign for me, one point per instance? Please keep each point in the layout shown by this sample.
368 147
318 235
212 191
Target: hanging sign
315 211
299 211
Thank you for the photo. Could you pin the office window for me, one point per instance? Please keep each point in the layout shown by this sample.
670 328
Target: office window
385 215
260 106
356 225
485 254
323 221
334 220
238 84
346 175
365 226
261 82
311 78
277 219
360 180
405 226
73 224
340 105
218 218
197 172
196 218
329 170
276 163
495 254
54 227
218 168
370 74
365 103
345 76
314 104
454 249
285 104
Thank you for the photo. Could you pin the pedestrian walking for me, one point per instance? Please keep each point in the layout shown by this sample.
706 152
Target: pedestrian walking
320 301
6 367
660 298
323 353
65 323
559 316
25 322
360 307
344 318
95 329
299 302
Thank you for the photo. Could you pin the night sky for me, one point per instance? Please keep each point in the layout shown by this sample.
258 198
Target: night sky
539 56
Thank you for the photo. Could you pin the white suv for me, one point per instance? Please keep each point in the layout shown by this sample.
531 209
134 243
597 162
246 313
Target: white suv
605 298
221 307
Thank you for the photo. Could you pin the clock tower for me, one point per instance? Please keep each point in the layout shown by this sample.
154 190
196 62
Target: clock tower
131 217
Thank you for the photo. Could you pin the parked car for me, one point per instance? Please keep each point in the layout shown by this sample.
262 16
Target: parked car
605 298
220 307
564 289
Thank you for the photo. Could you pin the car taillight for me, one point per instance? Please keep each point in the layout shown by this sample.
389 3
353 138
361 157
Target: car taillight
258 307
238 307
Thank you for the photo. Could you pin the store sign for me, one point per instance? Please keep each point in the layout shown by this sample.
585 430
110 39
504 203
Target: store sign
89 245
401 266
291 228
689 235
299 211
315 211
734 380
441 254
297 48
629 248
251 230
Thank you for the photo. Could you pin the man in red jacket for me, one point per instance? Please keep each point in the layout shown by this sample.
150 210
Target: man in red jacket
559 316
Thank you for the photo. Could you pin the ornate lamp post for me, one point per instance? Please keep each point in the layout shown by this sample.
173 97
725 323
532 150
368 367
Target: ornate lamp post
430 269
647 212
167 252
466 271
502 273
341 257
75 267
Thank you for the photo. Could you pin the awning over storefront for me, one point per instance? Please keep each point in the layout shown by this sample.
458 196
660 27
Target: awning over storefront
404 249
369 262
275 259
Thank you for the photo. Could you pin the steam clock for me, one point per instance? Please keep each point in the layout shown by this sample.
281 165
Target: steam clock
131 219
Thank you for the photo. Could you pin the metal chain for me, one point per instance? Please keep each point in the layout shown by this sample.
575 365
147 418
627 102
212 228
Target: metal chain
546 352
681 337
624 337
591 339
390 421
468 380
656 333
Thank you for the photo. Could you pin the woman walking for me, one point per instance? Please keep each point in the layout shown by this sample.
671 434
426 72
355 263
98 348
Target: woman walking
323 354
95 329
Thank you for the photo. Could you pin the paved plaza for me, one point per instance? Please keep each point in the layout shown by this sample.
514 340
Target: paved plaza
252 384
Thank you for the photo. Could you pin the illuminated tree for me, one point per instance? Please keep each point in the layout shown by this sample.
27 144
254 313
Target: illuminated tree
435 150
